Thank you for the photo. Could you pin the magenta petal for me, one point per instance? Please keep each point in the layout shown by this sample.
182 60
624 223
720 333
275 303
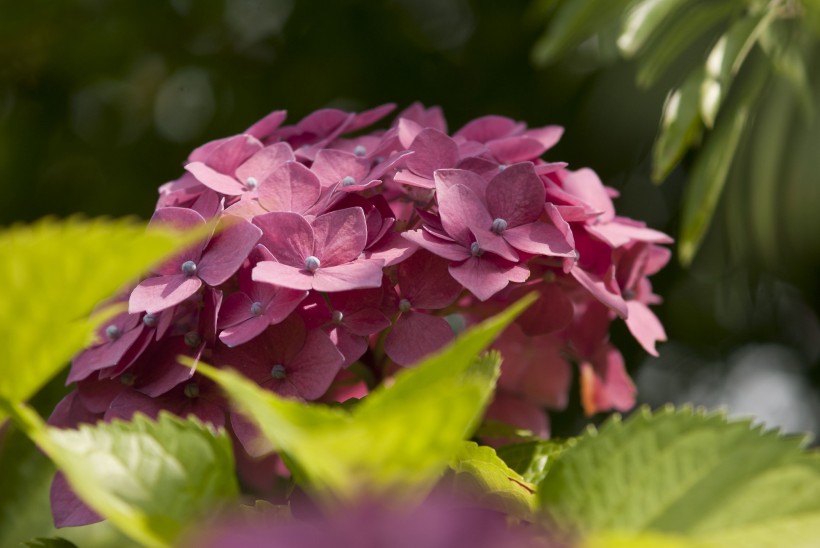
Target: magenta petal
511 150
443 248
446 178
244 331
102 356
426 283
263 162
183 220
586 185
493 243
291 187
392 249
332 166
433 150
485 277
282 304
407 177
539 239
460 208
267 125
547 135
516 195
598 289
284 275
366 321
356 275
605 384
518 413
214 180
235 309
551 312
156 294
227 251
487 128
66 508
316 365
340 236
350 345
232 151
288 236
644 326
617 234
415 335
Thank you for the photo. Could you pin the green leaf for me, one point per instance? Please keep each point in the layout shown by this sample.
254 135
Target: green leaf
399 439
533 459
573 22
711 167
693 476
478 470
680 126
52 274
725 60
55 542
643 20
150 479
699 18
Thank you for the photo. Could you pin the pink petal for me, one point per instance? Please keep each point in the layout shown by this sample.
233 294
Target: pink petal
340 236
316 365
493 243
227 250
224 184
408 130
231 152
485 277
350 345
644 326
246 209
365 322
598 289
460 208
282 304
407 177
518 413
547 135
617 234
368 117
267 125
244 331
425 281
605 383
443 248
288 236
66 507
510 150
433 150
156 294
291 187
516 195
586 185
551 312
539 239
332 166
185 221
446 178
488 128
261 164
415 335
105 355
356 275
392 249
236 308
283 275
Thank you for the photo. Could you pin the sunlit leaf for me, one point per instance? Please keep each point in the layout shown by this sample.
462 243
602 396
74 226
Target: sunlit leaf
643 20
479 471
52 274
573 22
680 126
399 439
691 476
725 60
533 459
53 542
698 19
149 478
711 167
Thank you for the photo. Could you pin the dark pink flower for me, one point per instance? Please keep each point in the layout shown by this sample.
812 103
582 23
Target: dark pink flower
322 254
211 261
424 285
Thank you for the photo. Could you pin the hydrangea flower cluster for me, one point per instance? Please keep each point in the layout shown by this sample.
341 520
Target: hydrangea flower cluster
338 255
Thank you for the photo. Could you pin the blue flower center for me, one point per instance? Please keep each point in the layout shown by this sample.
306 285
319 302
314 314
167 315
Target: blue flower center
348 181
404 305
113 332
189 268
499 226
251 183
359 151
257 308
312 264
127 379
475 250
337 317
278 372
150 320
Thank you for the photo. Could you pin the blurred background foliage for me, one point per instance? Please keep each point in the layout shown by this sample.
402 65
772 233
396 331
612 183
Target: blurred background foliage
100 102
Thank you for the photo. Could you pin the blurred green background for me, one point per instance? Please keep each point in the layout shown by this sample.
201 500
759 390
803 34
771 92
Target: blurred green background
100 103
